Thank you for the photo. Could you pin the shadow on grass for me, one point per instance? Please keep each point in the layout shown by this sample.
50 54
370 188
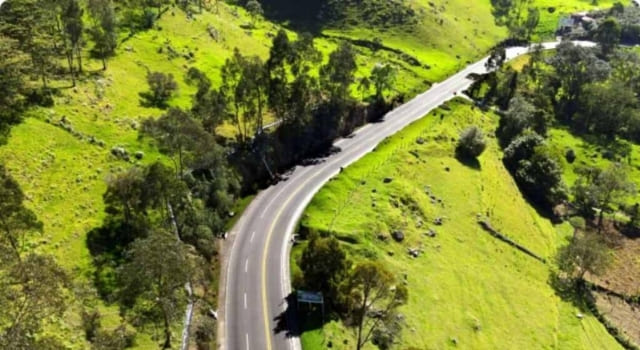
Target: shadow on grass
467 161
293 321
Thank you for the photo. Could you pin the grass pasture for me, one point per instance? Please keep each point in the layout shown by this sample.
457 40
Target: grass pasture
466 288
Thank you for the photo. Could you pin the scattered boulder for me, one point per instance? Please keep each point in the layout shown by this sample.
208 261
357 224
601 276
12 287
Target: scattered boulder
420 140
139 155
381 236
414 252
431 233
387 180
398 235
438 221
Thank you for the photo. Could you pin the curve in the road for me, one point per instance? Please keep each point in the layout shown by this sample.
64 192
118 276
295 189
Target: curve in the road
256 280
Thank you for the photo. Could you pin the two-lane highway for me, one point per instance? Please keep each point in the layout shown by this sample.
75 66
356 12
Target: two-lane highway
256 280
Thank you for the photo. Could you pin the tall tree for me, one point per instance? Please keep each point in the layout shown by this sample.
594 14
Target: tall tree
103 30
338 74
586 253
157 268
324 265
371 287
383 77
73 28
30 24
608 35
601 189
12 102
31 291
178 135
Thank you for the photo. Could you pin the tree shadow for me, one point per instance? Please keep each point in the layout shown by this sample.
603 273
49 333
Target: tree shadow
294 321
469 162
288 321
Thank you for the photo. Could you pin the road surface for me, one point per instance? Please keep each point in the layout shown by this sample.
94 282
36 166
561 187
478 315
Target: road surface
256 281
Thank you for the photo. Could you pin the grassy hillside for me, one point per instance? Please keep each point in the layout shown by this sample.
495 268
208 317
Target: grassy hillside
466 287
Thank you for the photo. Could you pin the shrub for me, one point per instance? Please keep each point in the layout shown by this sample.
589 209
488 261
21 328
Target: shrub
570 156
161 88
471 143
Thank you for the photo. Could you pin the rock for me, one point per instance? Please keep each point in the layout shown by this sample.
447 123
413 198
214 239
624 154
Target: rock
387 180
139 155
420 140
438 221
382 237
431 233
414 252
579 315
447 169
398 235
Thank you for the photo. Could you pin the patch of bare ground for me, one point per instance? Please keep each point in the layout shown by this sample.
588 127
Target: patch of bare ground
624 316
623 275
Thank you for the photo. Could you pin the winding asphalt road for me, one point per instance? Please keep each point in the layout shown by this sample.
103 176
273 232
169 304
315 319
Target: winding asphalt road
256 282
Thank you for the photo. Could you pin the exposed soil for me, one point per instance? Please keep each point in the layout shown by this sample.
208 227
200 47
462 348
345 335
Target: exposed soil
624 316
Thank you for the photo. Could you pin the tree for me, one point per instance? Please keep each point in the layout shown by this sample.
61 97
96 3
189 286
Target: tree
103 30
606 109
520 116
324 265
157 268
364 84
178 135
601 189
73 28
31 290
471 143
30 23
587 253
12 102
373 299
161 86
575 67
16 221
540 177
382 77
338 74
255 10
511 13
608 35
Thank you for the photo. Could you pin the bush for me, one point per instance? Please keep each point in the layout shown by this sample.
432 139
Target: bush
471 143
570 156
161 88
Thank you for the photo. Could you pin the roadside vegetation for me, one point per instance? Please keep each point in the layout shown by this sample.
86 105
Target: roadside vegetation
136 124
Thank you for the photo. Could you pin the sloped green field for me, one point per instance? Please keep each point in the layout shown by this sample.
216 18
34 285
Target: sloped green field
466 288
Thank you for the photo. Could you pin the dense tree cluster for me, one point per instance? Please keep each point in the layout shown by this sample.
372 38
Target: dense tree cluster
594 91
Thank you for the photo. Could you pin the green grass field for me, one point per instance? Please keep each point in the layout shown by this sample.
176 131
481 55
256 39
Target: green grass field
466 287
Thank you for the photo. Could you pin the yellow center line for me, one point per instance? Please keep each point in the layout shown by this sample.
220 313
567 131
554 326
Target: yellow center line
266 249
